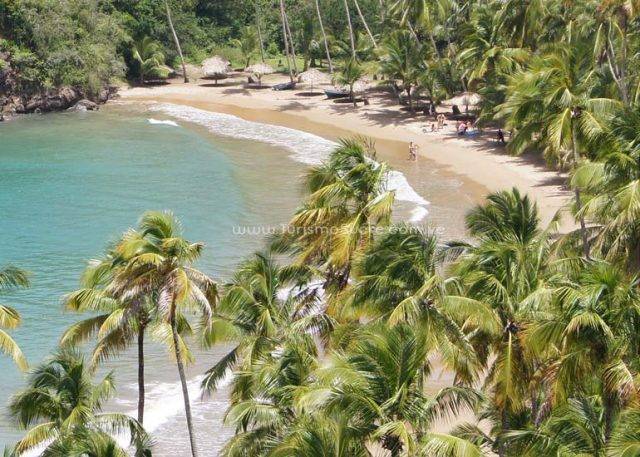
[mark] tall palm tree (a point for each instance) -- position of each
(364, 23)
(176, 41)
(62, 408)
(324, 36)
(403, 59)
(11, 278)
(285, 36)
(555, 104)
(159, 263)
(505, 269)
(352, 39)
(376, 384)
(119, 320)
(150, 59)
(347, 198)
(612, 188)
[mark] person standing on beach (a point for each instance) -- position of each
(413, 151)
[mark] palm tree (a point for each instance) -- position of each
(176, 41)
(506, 270)
(348, 198)
(403, 60)
(122, 319)
(159, 263)
(591, 336)
(247, 44)
(350, 26)
(150, 59)
(257, 304)
(62, 409)
(364, 23)
(11, 278)
(376, 385)
(612, 189)
(283, 20)
(349, 76)
(324, 36)
(555, 104)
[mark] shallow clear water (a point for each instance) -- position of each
(69, 183)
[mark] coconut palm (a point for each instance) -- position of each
(11, 278)
(351, 73)
(350, 28)
(376, 385)
(176, 40)
(119, 319)
(262, 299)
(247, 44)
(505, 269)
(612, 187)
(159, 263)
(61, 408)
(555, 104)
(324, 36)
(348, 198)
(592, 336)
(150, 60)
(398, 280)
(403, 59)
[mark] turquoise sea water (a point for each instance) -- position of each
(71, 182)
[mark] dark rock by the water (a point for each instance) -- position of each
(84, 105)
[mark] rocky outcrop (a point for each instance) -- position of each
(13, 102)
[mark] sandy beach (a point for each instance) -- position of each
(478, 161)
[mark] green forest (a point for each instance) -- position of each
(337, 325)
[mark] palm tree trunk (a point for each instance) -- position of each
(258, 16)
(583, 225)
(286, 39)
(351, 36)
(141, 388)
(366, 26)
(293, 49)
(324, 37)
(176, 41)
(185, 389)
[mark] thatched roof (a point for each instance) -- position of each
(215, 66)
(313, 76)
(463, 99)
(259, 69)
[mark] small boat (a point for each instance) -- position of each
(336, 93)
(285, 86)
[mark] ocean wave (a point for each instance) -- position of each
(165, 122)
(305, 147)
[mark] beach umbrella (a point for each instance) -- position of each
(465, 98)
(259, 70)
(215, 68)
(313, 77)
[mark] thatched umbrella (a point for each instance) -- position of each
(216, 68)
(313, 76)
(466, 98)
(259, 70)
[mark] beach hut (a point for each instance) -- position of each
(216, 68)
(465, 99)
(259, 70)
(313, 77)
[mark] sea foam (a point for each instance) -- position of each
(159, 122)
(305, 147)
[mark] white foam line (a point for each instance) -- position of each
(305, 147)
(158, 122)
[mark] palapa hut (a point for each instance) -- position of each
(313, 77)
(259, 70)
(216, 68)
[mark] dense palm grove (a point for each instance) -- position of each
(339, 324)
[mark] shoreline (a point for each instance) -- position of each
(477, 162)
